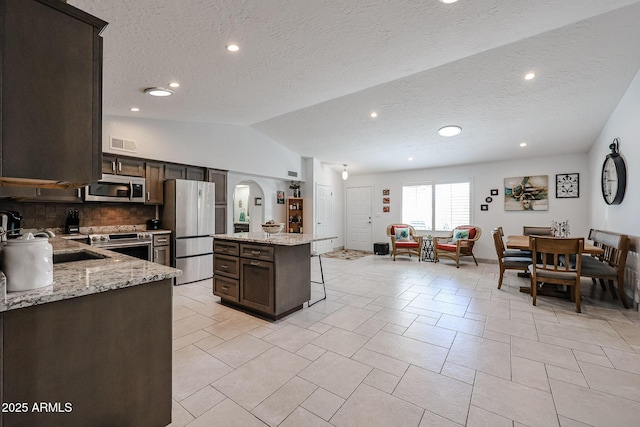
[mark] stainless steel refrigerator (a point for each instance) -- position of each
(189, 212)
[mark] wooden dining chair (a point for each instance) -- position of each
(512, 252)
(559, 261)
(528, 230)
(507, 262)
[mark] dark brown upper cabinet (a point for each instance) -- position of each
(123, 166)
(51, 89)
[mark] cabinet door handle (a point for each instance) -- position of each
(256, 252)
(113, 166)
(224, 267)
(161, 240)
(148, 196)
(224, 288)
(119, 166)
(155, 255)
(255, 262)
(78, 192)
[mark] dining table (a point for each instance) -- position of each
(523, 243)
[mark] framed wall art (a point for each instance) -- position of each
(484, 207)
(385, 192)
(568, 186)
(526, 193)
(280, 197)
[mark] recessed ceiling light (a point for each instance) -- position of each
(233, 47)
(134, 109)
(174, 84)
(530, 76)
(523, 144)
(158, 91)
(410, 158)
(451, 130)
(374, 115)
(448, 1)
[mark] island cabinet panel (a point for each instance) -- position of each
(272, 280)
(104, 359)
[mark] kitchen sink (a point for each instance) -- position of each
(76, 256)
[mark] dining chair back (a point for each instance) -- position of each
(528, 230)
(505, 261)
(558, 261)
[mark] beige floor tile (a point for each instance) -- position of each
(227, 413)
(545, 353)
(380, 361)
(475, 316)
(390, 302)
(568, 422)
(578, 319)
(395, 317)
(624, 360)
(193, 369)
(302, 417)
(521, 316)
(348, 318)
(593, 407)
(370, 327)
(459, 373)
(481, 354)
(311, 352)
(180, 312)
(438, 306)
(429, 419)
(202, 400)
(408, 350)
(478, 417)
(595, 359)
(427, 319)
(421, 312)
(514, 401)
(512, 327)
(461, 324)
(275, 408)
(261, 331)
(336, 373)
(191, 324)
(381, 380)
(239, 350)
(291, 337)
(430, 334)
(355, 300)
(232, 327)
(530, 373)
(566, 375)
(630, 332)
(394, 329)
(191, 338)
(490, 308)
(323, 403)
(577, 333)
(254, 381)
(209, 342)
(497, 336)
(453, 299)
(340, 341)
(612, 381)
(575, 345)
(320, 327)
(369, 407)
(180, 417)
(437, 393)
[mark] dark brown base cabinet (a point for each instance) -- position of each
(271, 280)
(96, 360)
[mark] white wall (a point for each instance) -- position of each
(236, 148)
(325, 174)
(484, 177)
(623, 124)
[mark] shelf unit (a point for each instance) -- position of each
(295, 208)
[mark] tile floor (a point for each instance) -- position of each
(408, 344)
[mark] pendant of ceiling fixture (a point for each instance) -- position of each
(345, 174)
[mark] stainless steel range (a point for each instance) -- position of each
(138, 244)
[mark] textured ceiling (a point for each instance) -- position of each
(310, 72)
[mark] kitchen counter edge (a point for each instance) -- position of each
(283, 239)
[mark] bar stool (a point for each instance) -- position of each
(316, 254)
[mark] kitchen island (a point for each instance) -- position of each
(266, 274)
(93, 348)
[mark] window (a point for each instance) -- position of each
(440, 207)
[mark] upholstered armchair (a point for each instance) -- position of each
(457, 244)
(404, 240)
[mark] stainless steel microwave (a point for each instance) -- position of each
(116, 188)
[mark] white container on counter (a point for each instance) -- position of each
(27, 262)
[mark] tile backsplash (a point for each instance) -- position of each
(54, 215)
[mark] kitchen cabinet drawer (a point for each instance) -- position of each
(226, 265)
(226, 288)
(261, 252)
(161, 239)
(226, 248)
(257, 285)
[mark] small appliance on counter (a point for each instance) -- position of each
(10, 224)
(153, 224)
(28, 263)
(73, 222)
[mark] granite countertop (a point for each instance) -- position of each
(74, 279)
(284, 239)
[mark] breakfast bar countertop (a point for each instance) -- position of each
(283, 239)
(79, 278)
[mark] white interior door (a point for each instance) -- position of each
(323, 217)
(359, 218)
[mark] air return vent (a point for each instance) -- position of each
(292, 174)
(122, 144)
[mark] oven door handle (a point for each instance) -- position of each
(120, 245)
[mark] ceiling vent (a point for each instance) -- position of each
(122, 144)
(292, 174)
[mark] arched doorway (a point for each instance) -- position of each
(248, 207)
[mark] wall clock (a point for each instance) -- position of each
(614, 176)
(568, 186)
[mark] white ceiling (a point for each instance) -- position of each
(310, 72)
